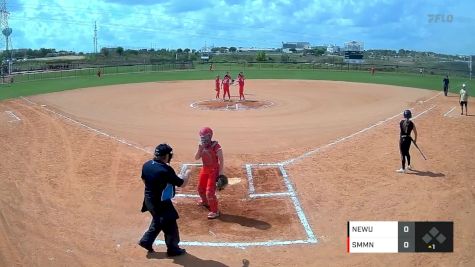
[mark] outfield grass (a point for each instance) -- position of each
(25, 88)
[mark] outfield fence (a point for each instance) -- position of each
(80, 70)
(93, 71)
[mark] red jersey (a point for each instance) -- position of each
(217, 83)
(241, 80)
(209, 155)
(226, 80)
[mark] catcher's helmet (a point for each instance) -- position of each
(206, 131)
(407, 114)
(163, 150)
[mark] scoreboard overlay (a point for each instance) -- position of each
(399, 236)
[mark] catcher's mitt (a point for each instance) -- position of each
(221, 182)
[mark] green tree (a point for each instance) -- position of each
(232, 49)
(105, 51)
(261, 56)
(179, 50)
(119, 50)
(284, 58)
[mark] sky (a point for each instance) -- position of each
(441, 26)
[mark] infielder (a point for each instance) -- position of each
(211, 154)
(240, 79)
(226, 82)
(406, 126)
(217, 86)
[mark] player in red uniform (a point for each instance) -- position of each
(211, 155)
(226, 81)
(218, 86)
(241, 86)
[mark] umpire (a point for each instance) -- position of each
(160, 180)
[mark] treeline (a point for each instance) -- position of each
(35, 53)
(406, 53)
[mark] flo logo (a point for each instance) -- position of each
(440, 18)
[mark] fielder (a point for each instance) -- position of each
(211, 154)
(463, 99)
(217, 86)
(446, 84)
(226, 82)
(406, 126)
(241, 86)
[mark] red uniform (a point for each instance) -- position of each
(208, 175)
(241, 87)
(226, 82)
(218, 87)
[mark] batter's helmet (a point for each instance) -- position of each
(162, 150)
(407, 114)
(206, 131)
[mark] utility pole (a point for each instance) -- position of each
(95, 37)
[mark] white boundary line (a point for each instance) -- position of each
(277, 194)
(12, 115)
(250, 179)
(298, 207)
(89, 127)
(438, 94)
(447, 113)
(240, 244)
(318, 149)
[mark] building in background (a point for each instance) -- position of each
(288, 47)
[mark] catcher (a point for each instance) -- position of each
(211, 174)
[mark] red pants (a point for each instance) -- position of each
(207, 187)
(226, 90)
(217, 93)
(241, 92)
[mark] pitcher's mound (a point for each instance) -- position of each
(231, 104)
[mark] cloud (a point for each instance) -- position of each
(391, 24)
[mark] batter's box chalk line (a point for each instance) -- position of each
(290, 193)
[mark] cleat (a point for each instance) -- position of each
(213, 215)
(401, 170)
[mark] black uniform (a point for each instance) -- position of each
(405, 139)
(160, 180)
(446, 85)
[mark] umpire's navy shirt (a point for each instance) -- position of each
(160, 180)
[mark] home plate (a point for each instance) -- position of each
(234, 180)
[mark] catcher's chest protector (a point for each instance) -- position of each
(209, 155)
